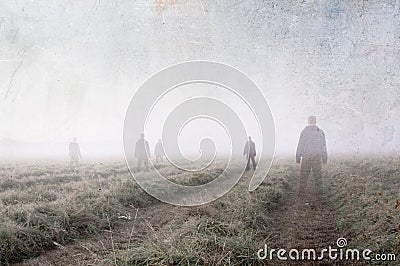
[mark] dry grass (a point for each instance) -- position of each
(225, 232)
(366, 197)
(47, 206)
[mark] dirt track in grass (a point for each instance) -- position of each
(99, 250)
(296, 224)
(301, 224)
(292, 223)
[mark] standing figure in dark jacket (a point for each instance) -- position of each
(142, 152)
(159, 151)
(250, 152)
(312, 152)
(74, 152)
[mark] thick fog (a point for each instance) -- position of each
(69, 69)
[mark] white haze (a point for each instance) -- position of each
(69, 68)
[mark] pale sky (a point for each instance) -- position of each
(70, 68)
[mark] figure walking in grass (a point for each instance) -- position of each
(142, 152)
(311, 152)
(250, 152)
(159, 151)
(74, 152)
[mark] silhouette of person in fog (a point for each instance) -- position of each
(74, 152)
(141, 152)
(159, 151)
(311, 150)
(250, 152)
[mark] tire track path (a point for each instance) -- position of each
(303, 223)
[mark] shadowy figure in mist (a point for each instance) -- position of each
(311, 150)
(159, 151)
(74, 153)
(250, 152)
(142, 152)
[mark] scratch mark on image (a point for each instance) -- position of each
(10, 84)
(15, 35)
(2, 19)
(202, 7)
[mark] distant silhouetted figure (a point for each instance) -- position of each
(74, 152)
(250, 152)
(159, 151)
(141, 152)
(311, 150)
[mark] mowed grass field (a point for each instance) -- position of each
(51, 214)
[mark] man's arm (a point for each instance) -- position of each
(136, 149)
(324, 151)
(300, 147)
(246, 148)
(147, 148)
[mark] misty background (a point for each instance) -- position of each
(69, 69)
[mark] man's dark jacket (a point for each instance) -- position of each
(250, 149)
(142, 149)
(312, 144)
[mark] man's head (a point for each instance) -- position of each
(159, 140)
(312, 120)
(142, 135)
(249, 137)
(74, 139)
